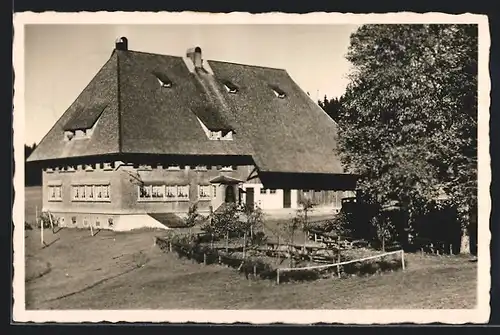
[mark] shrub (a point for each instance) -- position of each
(340, 225)
(305, 275)
(352, 268)
(45, 219)
(186, 246)
(27, 226)
(385, 265)
(193, 217)
(223, 223)
(259, 238)
(368, 268)
(139, 259)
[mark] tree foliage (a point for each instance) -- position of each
(32, 173)
(193, 217)
(408, 122)
(252, 219)
(332, 107)
(223, 222)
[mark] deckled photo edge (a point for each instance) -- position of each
(373, 316)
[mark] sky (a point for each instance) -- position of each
(60, 60)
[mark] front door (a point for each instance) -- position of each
(230, 196)
(287, 198)
(250, 202)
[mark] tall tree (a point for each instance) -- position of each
(32, 173)
(332, 107)
(409, 117)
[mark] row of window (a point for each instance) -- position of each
(165, 82)
(90, 192)
(86, 167)
(197, 167)
(97, 192)
(172, 192)
(101, 192)
(264, 191)
(109, 166)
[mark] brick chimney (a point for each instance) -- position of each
(121, 43)
(195, 55)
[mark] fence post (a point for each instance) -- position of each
(204, 258)
(41, 226)
(51, 222)
(403, 260)
(170, 246)
(255, 271)
(278, 276)
(338, 256)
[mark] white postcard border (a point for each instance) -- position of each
(478, 315)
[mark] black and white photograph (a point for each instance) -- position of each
(260, 168)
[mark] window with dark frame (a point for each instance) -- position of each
(204, 191)
(183, 192)
(163, 79)
(161, 192)
(230, 87)
(90, 192)
(278, 91)
(55, 192)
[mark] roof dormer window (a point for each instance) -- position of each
(164, 84)
(163, 80)
(68, 135)
(278, 91)
(84, 121)
(215, 135)
(221, 135)
(230, 87)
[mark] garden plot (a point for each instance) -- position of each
(283, 262)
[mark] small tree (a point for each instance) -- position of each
(223, 223)
(210, 228)
(384, 229)
(306, 206)
(340, 225)
(289, 229)
(48, 220)
(193, 217)
(254, 216)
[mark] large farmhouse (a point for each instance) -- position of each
(152, 134)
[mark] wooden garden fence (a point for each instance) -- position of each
(320, 267)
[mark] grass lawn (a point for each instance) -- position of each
(126, 271)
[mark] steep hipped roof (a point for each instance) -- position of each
(142, 103)
(289, 134)
(82, 112)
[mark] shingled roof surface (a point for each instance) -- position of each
(134, 113)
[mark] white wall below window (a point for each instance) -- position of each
(269, 200)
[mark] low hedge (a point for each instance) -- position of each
(356, 268)
(207, 255)
(187, 247)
